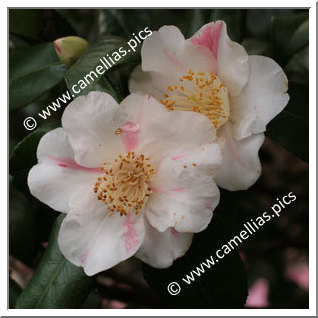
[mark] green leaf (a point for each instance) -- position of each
(297, 68)
(90, 59)
(84, 22)
(224, 285)
(120, 22)
(26, 22)
(197, 18)
(290, 33)
(177, 17)
(33, 71)
(235, 22)
(105, 85)
(14, 293)
(25, 60)
(255, 46)
(23, 155)
(291, 127)
(56, 282)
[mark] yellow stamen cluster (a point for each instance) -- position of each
(202, 93)
(124, 184)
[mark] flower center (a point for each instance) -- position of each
(202, 93)
(124, 185)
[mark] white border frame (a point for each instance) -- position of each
(312, 157)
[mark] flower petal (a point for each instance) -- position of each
(183, 196)
(164, 133)
(91, 238)
(91, 122)
(262, 99)
(148, 83)
(56, 177)
(241, 166)
(160, 249)
(168, 53)
(232, 59)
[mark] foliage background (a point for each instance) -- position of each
(275, 258)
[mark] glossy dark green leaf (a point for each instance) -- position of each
(25, 60)
(197, 18)
(14, 293)
(255, 46)
(297, 68)
(291, 127)
(90, 59)
(106, 86)
(27, 88)
(56, 282)
(124, 22)
(33, 71)
(224, 285)
(23, 155)
(290, 33)
(26, 22)
(84, 22)
(235, 22)
(176, 17)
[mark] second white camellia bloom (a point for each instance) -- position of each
(212, 75)
(134, 179)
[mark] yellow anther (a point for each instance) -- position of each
(200, 92)
(124, 185)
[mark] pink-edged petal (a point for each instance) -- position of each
(232, 59)
(160, 249)
(262, 99)
(168, 53)
(57, 176)
(90, 123)
(183, 197)
(162, 132)
(241, 166)
(209, 36)
(91, 238)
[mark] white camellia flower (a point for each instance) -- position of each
(212, 75)
(134, 179)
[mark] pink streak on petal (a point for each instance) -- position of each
(178, 157)
(166, 191)
(71, 164)
(173, 60)
(130, 234)
(130, 135)
(174, 232)
(258, 294)
(177, 190)
(209, 37)
(84, 257)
